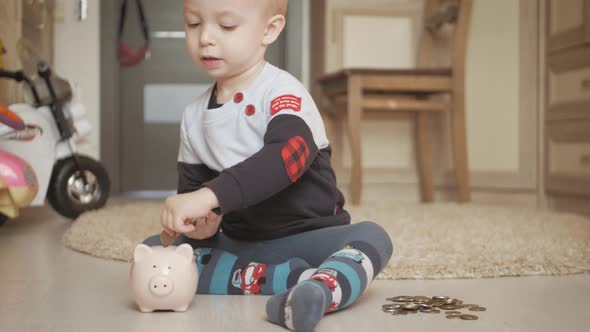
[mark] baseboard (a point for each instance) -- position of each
(575, 204)
(402, 185)
(494, 180)
(403, 192)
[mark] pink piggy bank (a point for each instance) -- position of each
(163, 278)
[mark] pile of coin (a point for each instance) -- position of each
(404, 305)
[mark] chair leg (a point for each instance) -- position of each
(335, 137)
(459, 137)
(424, 156)
(354, 112)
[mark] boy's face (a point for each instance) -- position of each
(225, 37)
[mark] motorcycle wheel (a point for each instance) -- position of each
(67, 193)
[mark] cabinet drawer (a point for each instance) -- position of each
(568, 157)
(568, 24)
(569, 131)
(568, 169)
(572, 159)
(571, 86)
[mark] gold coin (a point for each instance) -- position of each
(453, 316)
(453, 312)
(477, 308)
(410, 306)
(468, 317)
(450, 301)
(440, 297)
(391, 306)
(449, 307)
(421, 299)
(166, 239)
(403, 298)
(439, 302)
(430, 311)
(399, 312)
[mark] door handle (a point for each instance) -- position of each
(168, 34)
(82, 10)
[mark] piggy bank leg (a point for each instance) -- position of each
(181, 309)
(146, 310)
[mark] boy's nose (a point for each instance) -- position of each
(206, 37)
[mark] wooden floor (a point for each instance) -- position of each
(47, 287)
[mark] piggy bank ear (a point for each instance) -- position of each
(141, 251)
(185, 250)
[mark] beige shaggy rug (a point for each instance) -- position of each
(432, 241)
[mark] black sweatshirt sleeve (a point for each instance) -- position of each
(192, 176)
(288, 150)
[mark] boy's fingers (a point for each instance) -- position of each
(169, 231)
(188, 228)
(180, 226)
(163, 217)
(168, 220)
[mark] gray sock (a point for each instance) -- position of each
(301, 307)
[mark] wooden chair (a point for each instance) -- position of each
(351, 93)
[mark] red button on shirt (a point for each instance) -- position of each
(238, 97)
(250, 109)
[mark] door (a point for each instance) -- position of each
(29, 22)
(154, 94)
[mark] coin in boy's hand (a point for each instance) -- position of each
(166, 239)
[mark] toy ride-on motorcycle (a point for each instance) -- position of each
(43, 134)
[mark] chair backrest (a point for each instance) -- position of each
(444, 33)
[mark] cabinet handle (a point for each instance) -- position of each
(585, 160)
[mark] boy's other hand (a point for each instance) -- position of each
(181, 210)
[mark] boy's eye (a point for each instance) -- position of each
(193, 25)
(228, 27)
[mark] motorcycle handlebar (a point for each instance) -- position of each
(44, 70)
(20, 76)
(15, 75)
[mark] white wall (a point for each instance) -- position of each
(492, 99)
(77, 59)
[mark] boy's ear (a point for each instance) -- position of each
(274, 26)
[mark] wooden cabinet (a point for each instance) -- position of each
(567, 117)
(568, 162)
(31, 20)
(568, 24)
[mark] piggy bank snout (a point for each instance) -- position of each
(161, 285)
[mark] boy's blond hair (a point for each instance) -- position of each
(277, 7)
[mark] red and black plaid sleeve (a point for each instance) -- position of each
(288, 151)
(295, 154)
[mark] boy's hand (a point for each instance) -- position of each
(180, 210)
(205, 227)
